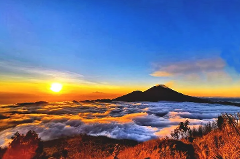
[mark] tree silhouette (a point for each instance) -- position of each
(220, 122)
(24, 146)
(181, 131)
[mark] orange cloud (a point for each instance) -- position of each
(161, 74)
(169, 84)
(124, 119)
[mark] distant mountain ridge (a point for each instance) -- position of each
(159, 93)
(162, 93)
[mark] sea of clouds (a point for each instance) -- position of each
(139, 121)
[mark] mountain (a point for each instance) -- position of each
(132, 97)
(159, 93)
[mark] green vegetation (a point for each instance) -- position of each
(217, 140)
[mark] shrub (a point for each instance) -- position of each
(182, 131)
(24, 146)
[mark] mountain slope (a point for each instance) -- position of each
(159, 93)
(132, 97)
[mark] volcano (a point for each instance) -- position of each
(159, 93)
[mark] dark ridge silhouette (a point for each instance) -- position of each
(159, 93)
(132, 97)
(76, 102)
(103, 100)
(3, 117)
(98, 100)
(227, 103)
(33, 103)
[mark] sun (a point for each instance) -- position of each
(56, 87)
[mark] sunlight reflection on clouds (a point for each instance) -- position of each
(122, 120)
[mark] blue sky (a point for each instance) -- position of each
(122, 42)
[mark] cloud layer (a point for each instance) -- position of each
(137, 121)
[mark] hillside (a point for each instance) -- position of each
(159, 93)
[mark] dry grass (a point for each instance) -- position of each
(220, 143)
(157, 149)
(86, 147)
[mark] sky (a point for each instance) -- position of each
(103, 49)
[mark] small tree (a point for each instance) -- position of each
(220, 122)
(182, 131)
(175, 134)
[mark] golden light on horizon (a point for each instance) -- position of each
(56, 87)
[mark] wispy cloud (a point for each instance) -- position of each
(220, 75)
(21, 71)
(190, 67)
(204, 70)
(161, 74)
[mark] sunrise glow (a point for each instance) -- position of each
(119, 79)
(56, 87)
